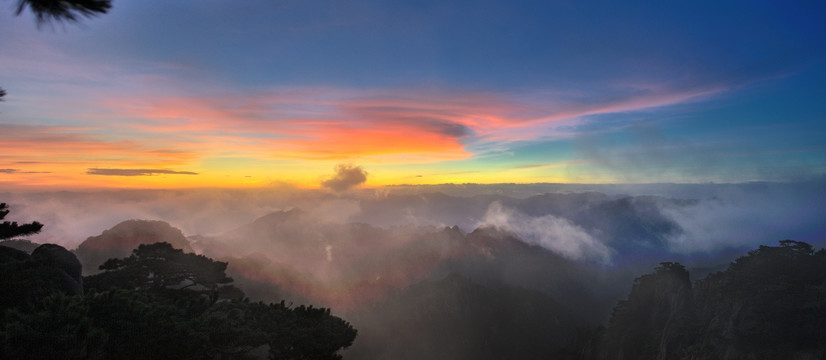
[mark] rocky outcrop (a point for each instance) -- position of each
(770, 304)
(119, 241)
(49, 270)
(654, 322)
(56, 256)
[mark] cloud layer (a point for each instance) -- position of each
(553, 233)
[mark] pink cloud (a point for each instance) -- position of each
(129, 114)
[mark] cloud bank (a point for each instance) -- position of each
(579, 221)
(553, 233)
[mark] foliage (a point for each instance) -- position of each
(63, 10)
(57, 328)
(653, 321)
(10, 230)
(24, 282)
(162, 303)
(305, 332)
(769, 304)
(158, 267)
(50, 269)
(46, 11)
(145, 325)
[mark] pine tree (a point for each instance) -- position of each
(10, 230)
(63, 10)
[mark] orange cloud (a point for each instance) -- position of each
(60, 155)
(289, 125)
(159, 131)
(336, 124)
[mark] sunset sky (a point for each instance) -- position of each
(209, 93)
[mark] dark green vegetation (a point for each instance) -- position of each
(770, 304)
(157, 303)
(63, 10)
(10, 230)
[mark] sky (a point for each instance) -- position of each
(338, 94)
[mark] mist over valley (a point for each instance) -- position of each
(455, 271)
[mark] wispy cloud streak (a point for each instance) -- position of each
(137, 172)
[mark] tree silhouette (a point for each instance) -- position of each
(63, 10)
(163, 303)
(159, 267)
(46, 11)
(60, 321)
(10, 230)
(151, 305)
(769, 304)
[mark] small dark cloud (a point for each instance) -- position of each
(28, 162)
(17, 171)
(136, 172)
(347, 176)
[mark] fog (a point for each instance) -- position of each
(577, 221)
(428, 258)
(556, 234)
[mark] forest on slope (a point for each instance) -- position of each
(769, 304)
(157, 303)
(440, 294)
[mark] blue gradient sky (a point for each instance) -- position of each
(253, 93)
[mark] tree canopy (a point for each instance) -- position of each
(158, 267)
(10, 230)
(48, 11)
(769, 304)
(63, 10)
(162, 303)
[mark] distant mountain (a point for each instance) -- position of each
(456, 318)
(119, 241)
(494, 256)
(636, 227)
(347, 266)
(20, 244)
(444, 293)
(770, 304)
(441, 293)
(339, 265)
